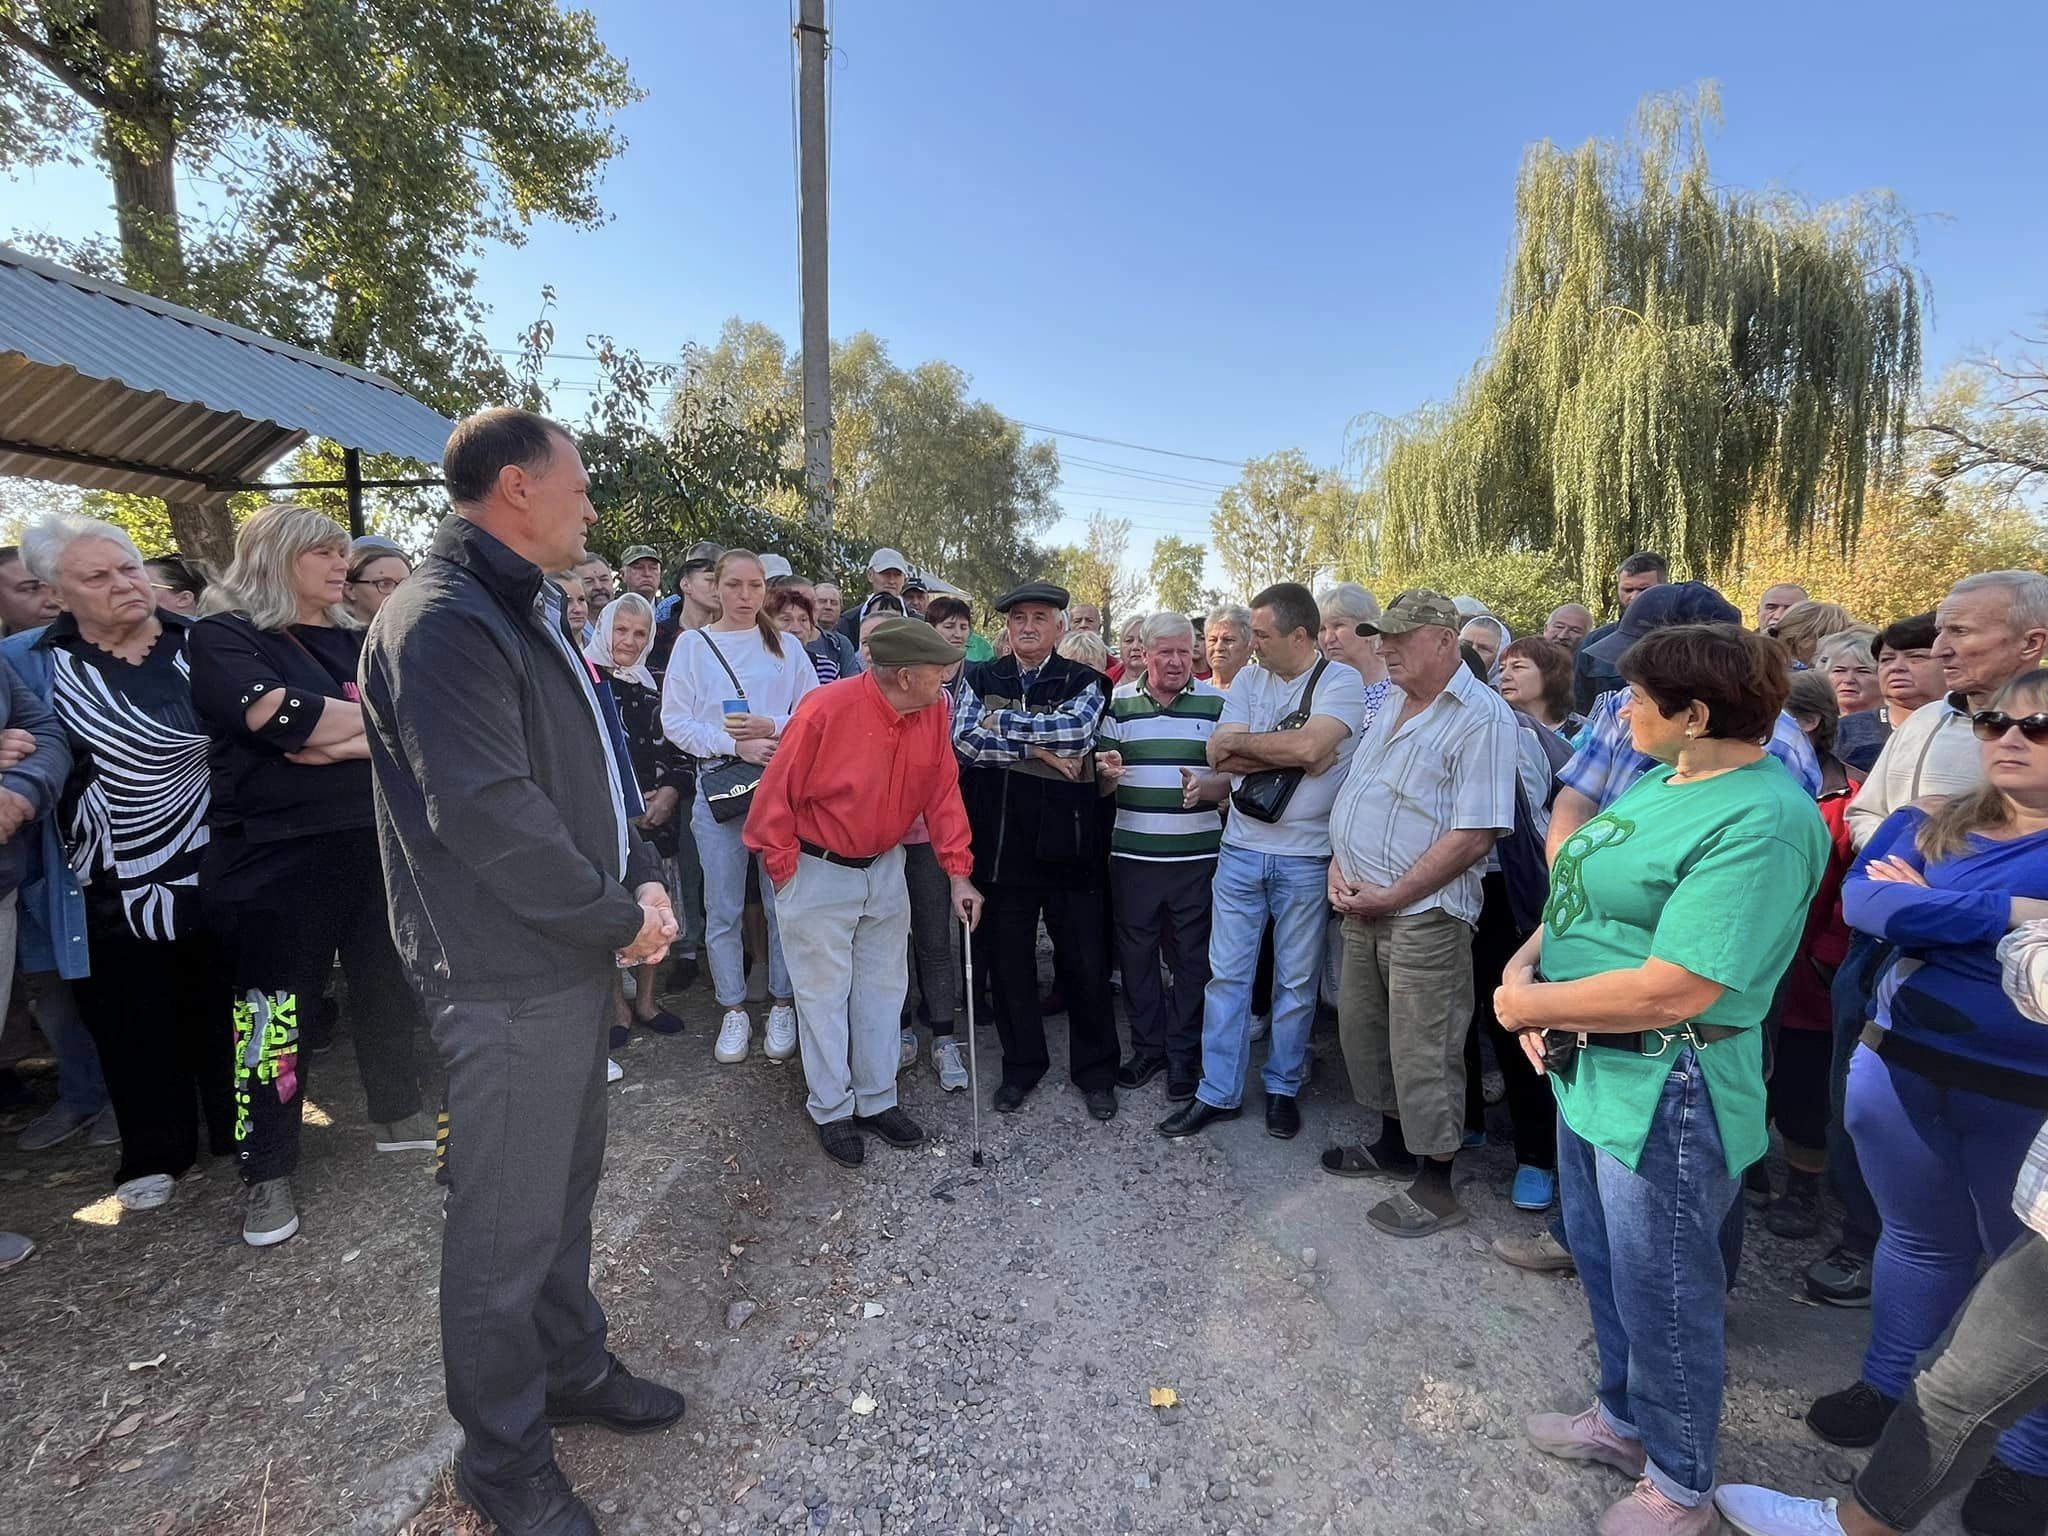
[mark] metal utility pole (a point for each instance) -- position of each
(816, 339)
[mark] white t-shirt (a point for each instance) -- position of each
(694, 691)
(1259, 701)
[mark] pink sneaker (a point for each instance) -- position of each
(1584, 1437)
(1646, 1512)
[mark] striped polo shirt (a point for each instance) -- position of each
(1156, 744)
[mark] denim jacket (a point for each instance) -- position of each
(51, 934)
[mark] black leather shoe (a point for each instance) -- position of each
(1101, 1102)
(842, 1143)
(1191, 1118)
(1180, 1090)
(1853, 1417)
(1140, 1070)
(540, 1505)
(622, 1403)
(893, 1126)
(1283, 1116)
(1009, 1098)
(2006, 1502)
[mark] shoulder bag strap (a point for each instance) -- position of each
(737, 686)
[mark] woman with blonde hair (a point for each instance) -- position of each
(1805, 624)
(292, 873)
(728, 693)
(1086, 647)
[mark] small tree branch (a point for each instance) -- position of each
(55, 63)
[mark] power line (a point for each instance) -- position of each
(1113, 442)
(1125, 471)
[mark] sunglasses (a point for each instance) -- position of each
(1992, 724)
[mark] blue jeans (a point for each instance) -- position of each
(1941, 1163)
(1250, 888)
(1648, 1246)
(80, 1088)
(1851, 998)
(724, 861)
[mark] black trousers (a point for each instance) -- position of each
(1162, 909)
(523, 1147)
(281, 911)
(1073, 917)
(1530, 1106)
(157, 1012)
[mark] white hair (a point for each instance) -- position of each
(1861, 642)
(1236, 615)
(1157, 626)
(44, 541)
(2026, 591)
(1348, 600)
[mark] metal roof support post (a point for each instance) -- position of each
(352, 479)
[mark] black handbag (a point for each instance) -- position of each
(1264, 795)
(729, 782)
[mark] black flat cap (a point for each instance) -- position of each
(1035, 592)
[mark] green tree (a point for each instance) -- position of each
(1282, 521)
(1673, 357)
(1988, 422)
(356, 155)
(1094, 571)
(1177, 566)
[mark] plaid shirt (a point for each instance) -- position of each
(2023, 959)
(984, 735)
(1607, 763)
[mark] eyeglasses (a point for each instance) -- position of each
(385, 585)
(1992, 724)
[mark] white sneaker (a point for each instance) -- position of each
(907, 1056)
(1262, 1026)
(147, 1192)
(946, 1059)
(781, 1043)
(612, 1070)
(735, 1034)
(1758, 1511)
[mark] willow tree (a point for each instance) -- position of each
(1672, 357)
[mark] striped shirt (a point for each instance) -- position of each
(1157, 742)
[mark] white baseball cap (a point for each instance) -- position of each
(773, 566)
(888, 560)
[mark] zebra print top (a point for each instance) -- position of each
(139, 818)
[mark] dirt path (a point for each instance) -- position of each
(916, 1347)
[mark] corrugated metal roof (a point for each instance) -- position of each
(171, 400)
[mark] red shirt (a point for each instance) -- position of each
(851, 775)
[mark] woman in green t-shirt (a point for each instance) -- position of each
(1672, 915)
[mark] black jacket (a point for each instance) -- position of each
(1032, 826)
(498, 829)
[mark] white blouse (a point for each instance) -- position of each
(694, 692)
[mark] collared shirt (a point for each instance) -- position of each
(2023, 961)
(550, 611)
(985, 735)
(1450, 768)
(1933, 753)
(1607, 762)
(852, 775)
(1157, 741)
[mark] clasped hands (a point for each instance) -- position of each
(657, 926)
(1360, 898)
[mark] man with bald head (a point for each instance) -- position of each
(1772, 606)
(1567, 625)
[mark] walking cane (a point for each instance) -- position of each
(973, 1069)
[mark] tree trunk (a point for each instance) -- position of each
(203, 528)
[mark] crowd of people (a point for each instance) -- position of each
(1658, 886)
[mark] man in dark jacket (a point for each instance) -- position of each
(1025, 732)
(517, 885)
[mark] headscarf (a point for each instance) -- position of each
(598, 648)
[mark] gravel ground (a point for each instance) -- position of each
(918, 1346)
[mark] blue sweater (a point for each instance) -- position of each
(1944, 991)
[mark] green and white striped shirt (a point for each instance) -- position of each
(1156, 744)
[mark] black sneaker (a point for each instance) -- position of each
(1796, 1213)
(1101, 1102)
(622, 1403)
(1140, 1070)
(893, 1126)
(1009, 1099)
(540, 1505)
(682, 972)
(1853, 1417)
(2006, 1502)
(1842, 1279)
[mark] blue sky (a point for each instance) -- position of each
(1224, 228)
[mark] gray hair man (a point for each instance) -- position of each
(1162, 853)
(1568, 624)
(1227, 642)
(1431, 789)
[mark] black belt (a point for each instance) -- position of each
(836, 858)
(1558, 1043)
(2005, 1084)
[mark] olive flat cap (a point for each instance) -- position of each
(895, 642)
(1035, 592)
(1412, 610)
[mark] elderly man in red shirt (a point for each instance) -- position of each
(860, 760)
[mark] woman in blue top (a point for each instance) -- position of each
(1950, 1084)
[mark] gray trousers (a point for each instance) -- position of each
(839, 924)
(523, 1146)
(931, 935)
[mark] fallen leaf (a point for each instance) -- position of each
(744, 1489)
(1164, 1397)
(872, 1309)
(835, 1216)
(149, 1365)
(864, 1405)
(130, 1465)
(298, 1396)
(352, 1255)
(734, 1249)
(126, 1427)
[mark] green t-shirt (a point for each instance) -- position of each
(1714, 876)
(979, 647)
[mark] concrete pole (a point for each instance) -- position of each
(816, 339)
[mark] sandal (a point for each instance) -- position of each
(1402, 1215)
(1357, 1162)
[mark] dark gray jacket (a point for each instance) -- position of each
(38, 778)
(497, 826)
